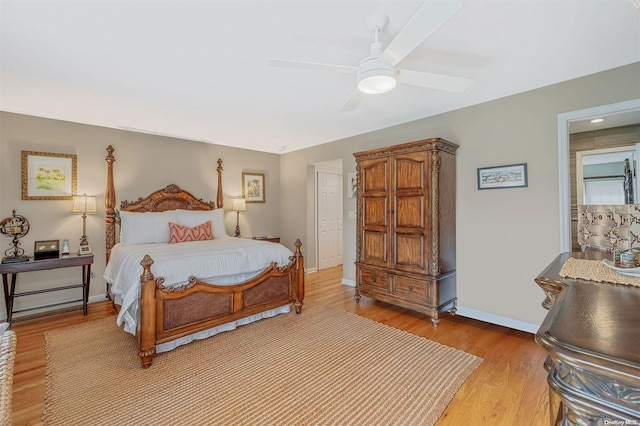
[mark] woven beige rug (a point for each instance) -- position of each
(323, 367)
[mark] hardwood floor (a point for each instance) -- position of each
(509, 388)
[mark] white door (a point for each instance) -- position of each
(329, 220)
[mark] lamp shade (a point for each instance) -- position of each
(84, 204)
(239, 205)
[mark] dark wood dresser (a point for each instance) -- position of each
(592, 335)
(406, 226)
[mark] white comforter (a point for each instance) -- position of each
(226, 260)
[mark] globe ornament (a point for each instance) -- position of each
(14, 227)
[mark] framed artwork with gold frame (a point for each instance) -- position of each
(48, 176)
(253, 187)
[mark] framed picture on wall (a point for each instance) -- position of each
(513, 175)
(253, 187)
(48, 176)
(352, 189)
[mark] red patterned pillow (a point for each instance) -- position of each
(182, 234)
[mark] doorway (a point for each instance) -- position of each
(329, 221)
(564, 178)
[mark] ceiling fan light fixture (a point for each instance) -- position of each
(375, 76)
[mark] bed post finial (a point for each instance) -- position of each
(146, 263)
(147, 309)
(299, 277)
(110, 203)
(219, 200)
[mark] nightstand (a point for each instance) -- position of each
(270, 239)
(12, 269)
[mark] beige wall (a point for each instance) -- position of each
(144, 163)
(505, 237)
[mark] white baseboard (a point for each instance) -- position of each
(481, 316)
(497, 320)
(350, 283)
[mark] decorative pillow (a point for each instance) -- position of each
(145, 228)
(182, 234)
(192, 218)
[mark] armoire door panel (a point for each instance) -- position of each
(374, 248)
(374, 211)
(409, 252)
(374, 176)
(409, 212)
(410, 172)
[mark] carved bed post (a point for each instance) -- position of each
(147, 326)
(219, 197)
(299, 277)
(110, 203)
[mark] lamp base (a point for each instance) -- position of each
(238, 224)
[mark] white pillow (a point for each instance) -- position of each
(193, 218)
(145, 228)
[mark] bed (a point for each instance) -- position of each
(202, 282)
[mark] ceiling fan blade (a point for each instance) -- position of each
(353, 101)
(285, 63)
(429, 17)
(434, 81)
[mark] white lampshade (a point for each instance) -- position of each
(375, 76)
(239, 205)
(84, 204)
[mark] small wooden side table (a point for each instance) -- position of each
(67, 261)
(270, 239)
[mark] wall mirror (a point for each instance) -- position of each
(607, 176)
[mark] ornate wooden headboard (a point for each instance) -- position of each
(169, 198)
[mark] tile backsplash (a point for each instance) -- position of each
(608, 228)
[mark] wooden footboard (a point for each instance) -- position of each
(168, 313)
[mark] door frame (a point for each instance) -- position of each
(564, 180)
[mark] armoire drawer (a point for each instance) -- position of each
(414, 288)
(374, 278)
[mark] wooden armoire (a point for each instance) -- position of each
(406, 226)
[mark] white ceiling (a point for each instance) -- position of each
(199, 69)
(614, 120)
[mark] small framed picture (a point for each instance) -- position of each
(352, 188)
(84, 250)
(498, 177)
(253, 187)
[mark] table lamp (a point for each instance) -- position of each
(86, 205)
(239, 205)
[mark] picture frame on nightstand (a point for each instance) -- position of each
(84, 250)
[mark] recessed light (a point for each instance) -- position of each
(596, 120)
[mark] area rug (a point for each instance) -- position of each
(322, 367)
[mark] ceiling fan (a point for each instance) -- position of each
(377, 73)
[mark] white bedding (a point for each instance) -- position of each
(225, 260)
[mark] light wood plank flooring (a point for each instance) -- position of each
(509, 388)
